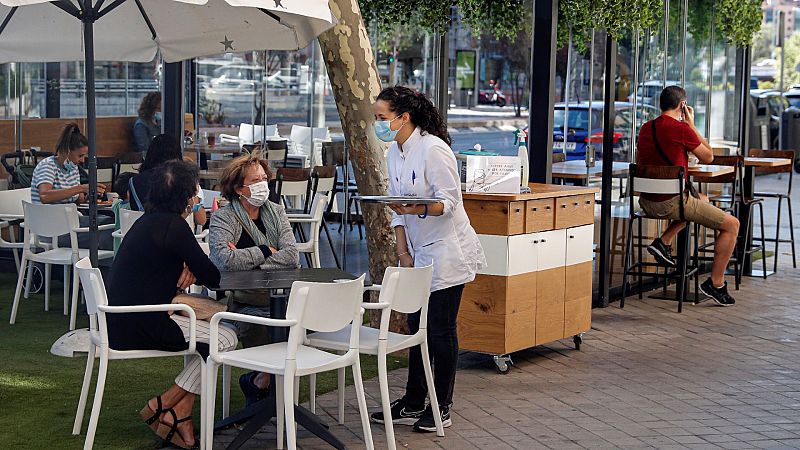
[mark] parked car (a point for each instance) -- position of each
(766, 107)
(793, 96)
(578, 134)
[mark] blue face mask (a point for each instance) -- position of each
(157, 117)
(383, 130)
(70, 166)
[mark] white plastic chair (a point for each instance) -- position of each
(97, 307)
(126, 219)
(308, 141)
(50, 222)
(248, 134)
(10, 210)
(314, 218)
(405, 290)
(312, 306)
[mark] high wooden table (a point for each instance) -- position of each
(748, 189)
(577, 170)
(537, 285)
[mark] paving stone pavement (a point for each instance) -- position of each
(646, 377)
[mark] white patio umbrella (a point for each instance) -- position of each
(136, 30)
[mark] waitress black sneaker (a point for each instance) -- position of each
(719, 295)
(426, 424)
(661, 252)
(402, 414)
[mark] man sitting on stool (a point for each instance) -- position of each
(667, 141)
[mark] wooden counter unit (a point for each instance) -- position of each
(537, 285)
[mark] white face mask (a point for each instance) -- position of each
(259, 193)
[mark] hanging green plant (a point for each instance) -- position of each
(699, 19)
(617, 17)
(738, 21)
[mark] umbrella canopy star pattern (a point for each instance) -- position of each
(138, 30)
(227, 44)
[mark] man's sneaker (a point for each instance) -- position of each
(661, 252)
(719, 295)
(402, 414)
(426, 424)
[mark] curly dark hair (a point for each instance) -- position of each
(423, 114)
(163, 148)
(174, 184)
(150, 103)
(70, 139)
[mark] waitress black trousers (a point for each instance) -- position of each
(442, 345)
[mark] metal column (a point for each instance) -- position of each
(604, 257)
(542, 79)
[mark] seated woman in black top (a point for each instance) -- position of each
(159, 256)
(163, 148)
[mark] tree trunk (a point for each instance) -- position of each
(356, 84)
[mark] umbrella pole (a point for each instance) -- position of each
(91, 125)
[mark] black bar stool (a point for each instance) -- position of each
(667, 180)
(780, 196)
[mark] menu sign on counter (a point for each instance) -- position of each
(492, 174)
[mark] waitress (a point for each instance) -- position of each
(421, 164)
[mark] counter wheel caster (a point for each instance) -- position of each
(503, 363)
(577, 340)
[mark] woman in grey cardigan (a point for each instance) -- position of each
(249, 233)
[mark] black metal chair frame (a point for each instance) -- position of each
(780, 196)
(735, 201)
(639, 269)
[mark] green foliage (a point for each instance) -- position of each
(617, 17)
(500, 18)
(738, 21)
(792, 54)
(700, 18)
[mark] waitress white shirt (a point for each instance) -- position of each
(426, 167)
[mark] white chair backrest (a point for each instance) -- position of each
(11, 201)
(325, 184)
(301, 139)
(209, 196)
(250, 134)
(272, 131)
(294, 188)
(50, 220)
(105, 175)
(407, 289)
(93, 286)
(657, 186)
(318, 205)
(126, 219)
(276, 155)
(325, 306)
(320, 133)
(129, 168)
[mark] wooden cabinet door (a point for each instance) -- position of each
(551, 249)
(580, 244)
(550, 286)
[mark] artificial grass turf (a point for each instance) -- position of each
(39, 391)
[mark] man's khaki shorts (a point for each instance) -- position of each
(694, 210)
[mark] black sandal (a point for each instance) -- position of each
(170, 432)
(149, 416)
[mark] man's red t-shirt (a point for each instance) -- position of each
(677, 140)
